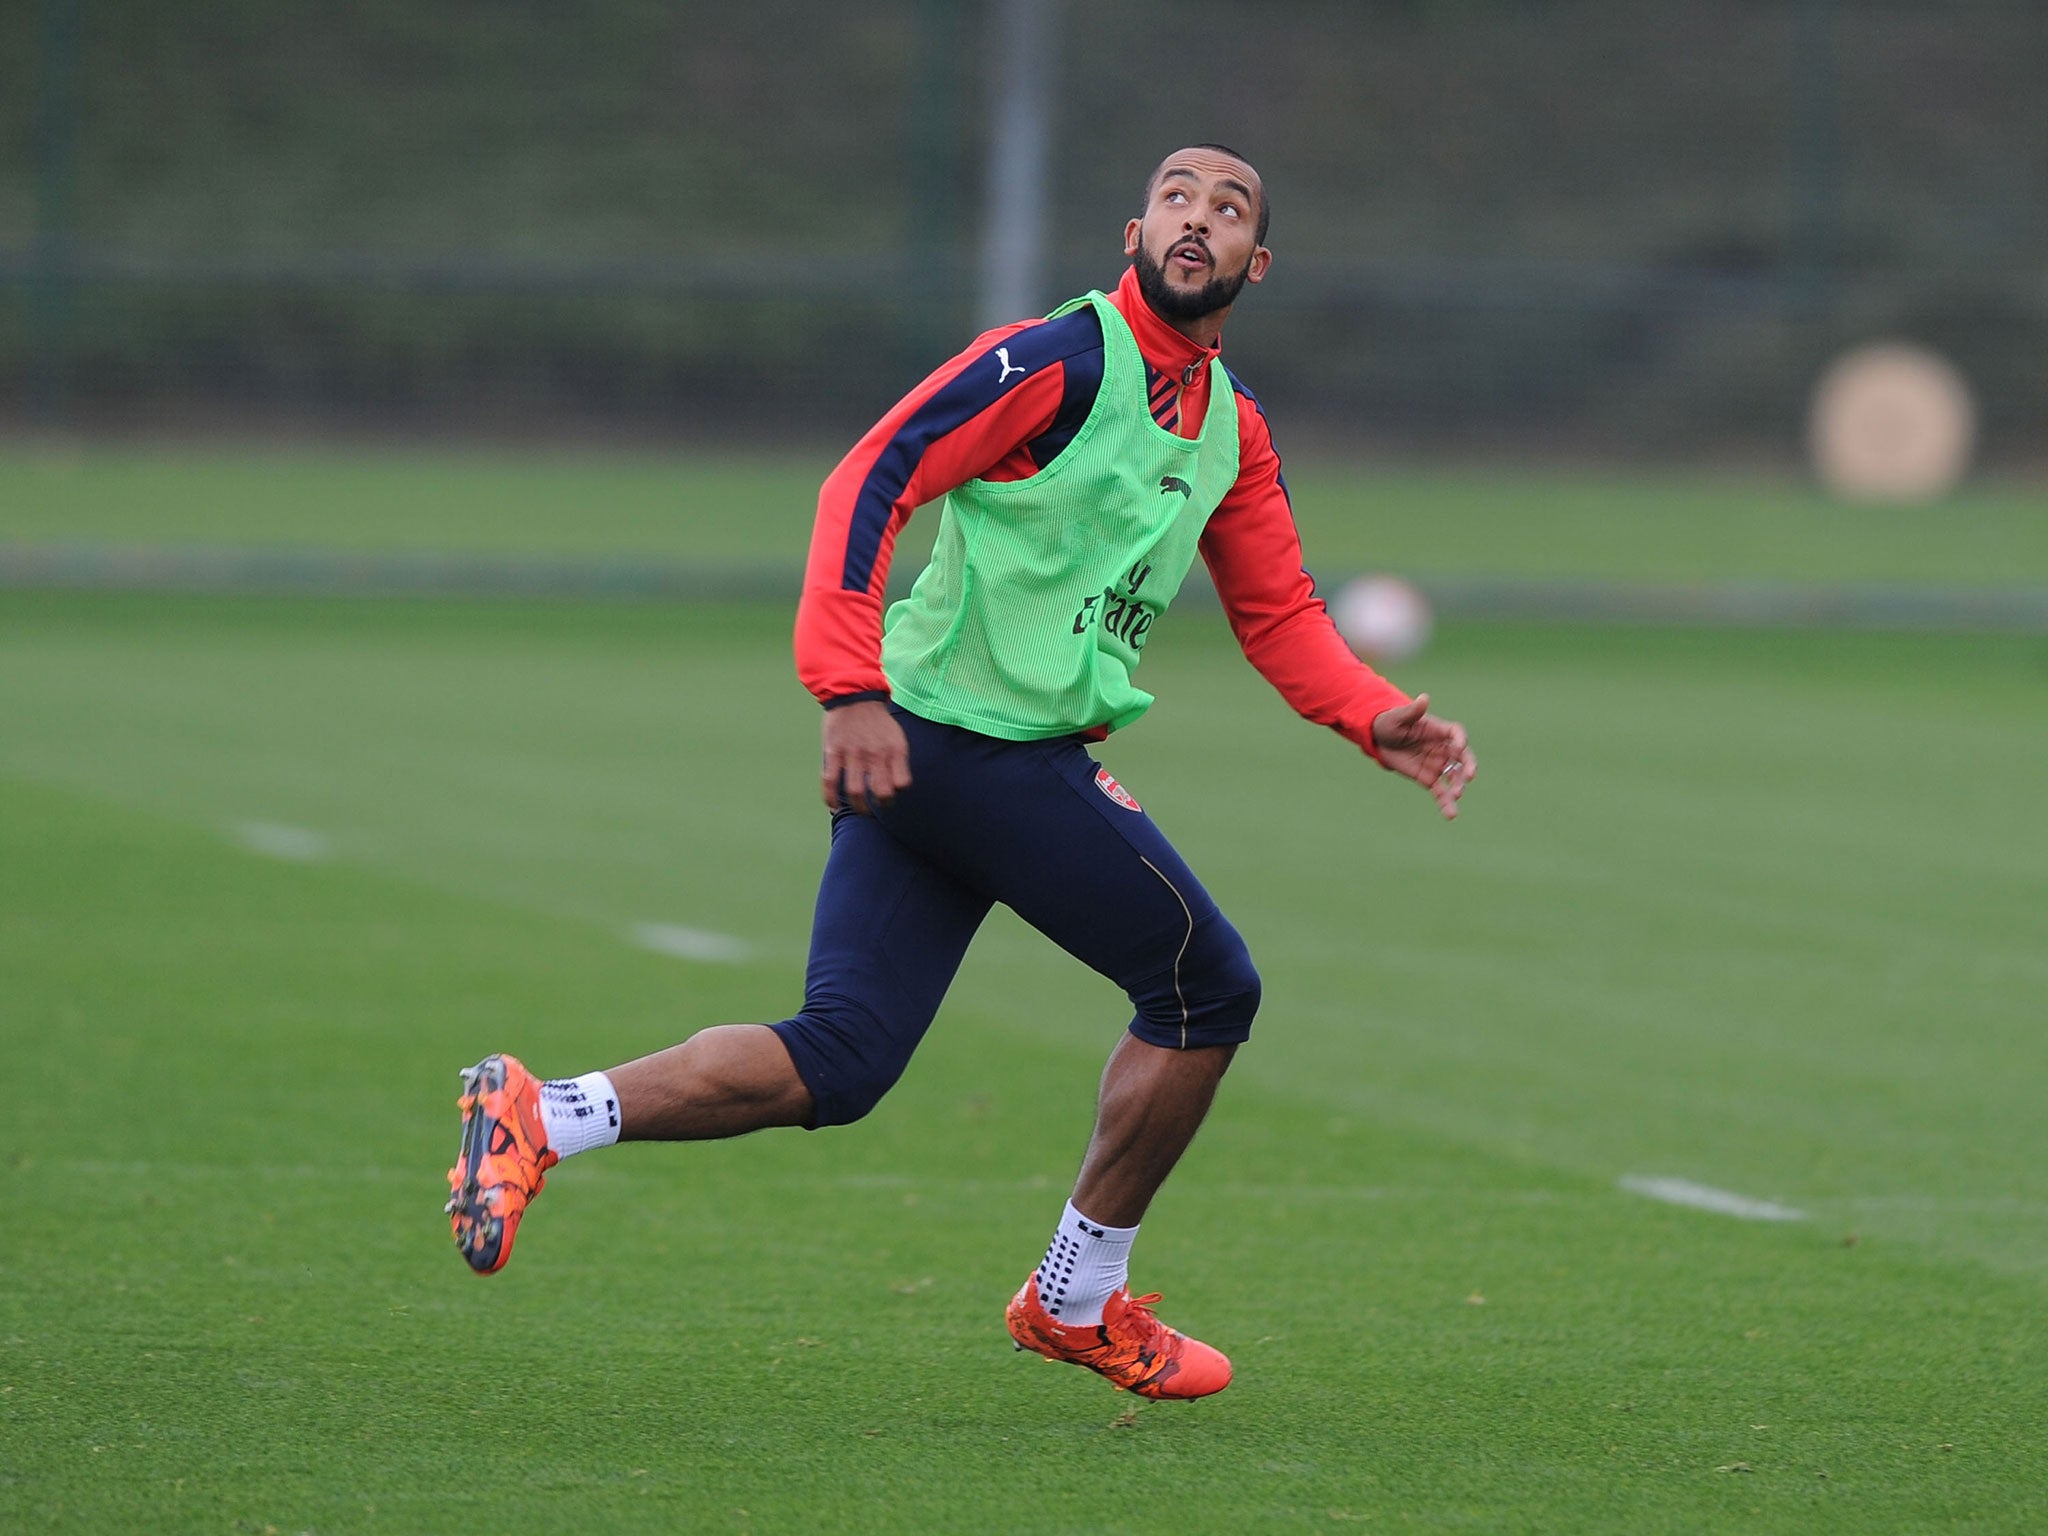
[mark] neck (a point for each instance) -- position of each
(1203, 330)
(1172, 346)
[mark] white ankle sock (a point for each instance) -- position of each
(579, 1113)
(1083, 1267)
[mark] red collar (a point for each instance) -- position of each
(1161, 345)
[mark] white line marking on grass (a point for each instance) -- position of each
(1705, 1197)
(276, 841)
(690, 943)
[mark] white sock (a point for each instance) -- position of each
(579, 1113)
(1083, 1267)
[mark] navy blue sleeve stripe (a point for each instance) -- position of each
(1280, 475)
(966, 395)
(1083, 384)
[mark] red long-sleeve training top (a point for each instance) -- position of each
(958, 426)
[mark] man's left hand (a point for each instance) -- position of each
(1428, 749)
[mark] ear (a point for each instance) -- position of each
(1131, 237)
(1255, 269)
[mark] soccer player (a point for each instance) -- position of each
(1084, 459)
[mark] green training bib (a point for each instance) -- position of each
(1042, 593)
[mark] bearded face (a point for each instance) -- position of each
(1172, 303)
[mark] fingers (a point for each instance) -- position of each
(846, 788)
(885, 774)
(1445, 790)
(1448, 766)
(866, 761)
(862, 779)
(1454, 743)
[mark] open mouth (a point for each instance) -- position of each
(1191, 255)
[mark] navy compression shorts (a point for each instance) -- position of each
(1039, 827)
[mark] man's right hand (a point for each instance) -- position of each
(867, 757)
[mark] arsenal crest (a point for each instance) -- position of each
(1116, 791)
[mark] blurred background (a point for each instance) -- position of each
(1571, 229)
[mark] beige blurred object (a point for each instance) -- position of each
(1892, 422)
(1383, 617)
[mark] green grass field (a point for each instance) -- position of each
(1759, 911)
(753, 509)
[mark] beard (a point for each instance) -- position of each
(1177, 304)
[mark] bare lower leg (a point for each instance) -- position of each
(724, 1081)
(1151, 1104)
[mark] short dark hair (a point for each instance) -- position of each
(1265, 204)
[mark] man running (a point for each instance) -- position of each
(1084, 460)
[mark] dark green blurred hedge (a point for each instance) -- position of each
(1601, 225)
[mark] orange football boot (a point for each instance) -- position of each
(1131, 1347)
(504, 1154)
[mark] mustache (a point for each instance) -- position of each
(1218, 291)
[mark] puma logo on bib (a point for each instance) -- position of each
(1116, 791)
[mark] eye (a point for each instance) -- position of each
(1230, 208)
(1175, 195)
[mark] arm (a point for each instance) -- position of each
(1254, 557)
(999, 410)
(1253, 552)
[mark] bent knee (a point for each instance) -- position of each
(1218, 976)
(846, 1056)
(1209, 997)
(1235, 987)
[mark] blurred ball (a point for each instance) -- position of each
(1383, 617)
(1891, 422)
